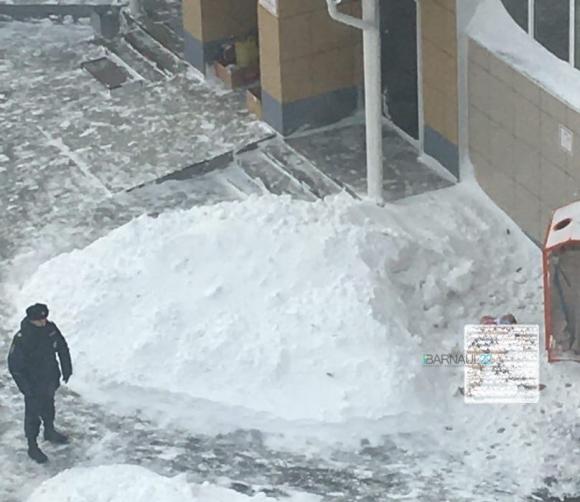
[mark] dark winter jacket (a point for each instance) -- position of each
(32, 358)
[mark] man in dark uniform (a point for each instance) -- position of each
(33, 365)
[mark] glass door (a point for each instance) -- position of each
(399, 64)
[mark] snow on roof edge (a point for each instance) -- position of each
(494, 28)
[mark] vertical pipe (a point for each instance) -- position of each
(373, 101)
(465, 11)
(420, 114)
(572, 33)
(531, 17)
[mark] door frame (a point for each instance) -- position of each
(418, 143)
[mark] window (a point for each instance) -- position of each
(518, 9)
(551, 26)
(552, 23)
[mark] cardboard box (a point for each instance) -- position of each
(254, 101)
(235, 77)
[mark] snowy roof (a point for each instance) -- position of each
(565, 226)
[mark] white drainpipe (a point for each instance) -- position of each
(370, 24)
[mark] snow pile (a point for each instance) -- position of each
(130, 482)
(63, 2)
(494, 28)
(123, 482)
(300, 310)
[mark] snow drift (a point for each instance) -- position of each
(300, 310)
(123, 482)
(319, 311)
(130, 482)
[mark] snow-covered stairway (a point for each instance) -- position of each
(268, 165)
(131, 57)
(301, 168)
(281, 170)
(268, 175)
(159, 25)
(152, 49)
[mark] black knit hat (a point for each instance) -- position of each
(37, 312)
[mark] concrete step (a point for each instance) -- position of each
(242, 183)
(168, 12)
(217, 163)
(165, 61)
(268, 174)
(268, 165)
(300, 168)
(134, 59)
(162, 31)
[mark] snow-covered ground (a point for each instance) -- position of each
(308, 321)
(63, 2)
(267, 305)
(301, 311)
(51, 106)
(130, 482)
(65, 143)
(260, 344)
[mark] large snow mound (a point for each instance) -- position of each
(123, 482)
(300, 310)
(136, 484)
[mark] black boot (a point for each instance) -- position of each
(52, 435)
(35, 453)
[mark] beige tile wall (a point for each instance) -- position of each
(439, 49)
(191, 10)
(228, 18)
(304, 53)
(270, 65)
(514, 142)
(209, 20)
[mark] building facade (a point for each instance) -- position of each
(471, 107)
(523, 121)
(311, 66)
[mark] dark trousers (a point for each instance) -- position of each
(37, 408)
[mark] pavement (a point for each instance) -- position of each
(339, 151)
